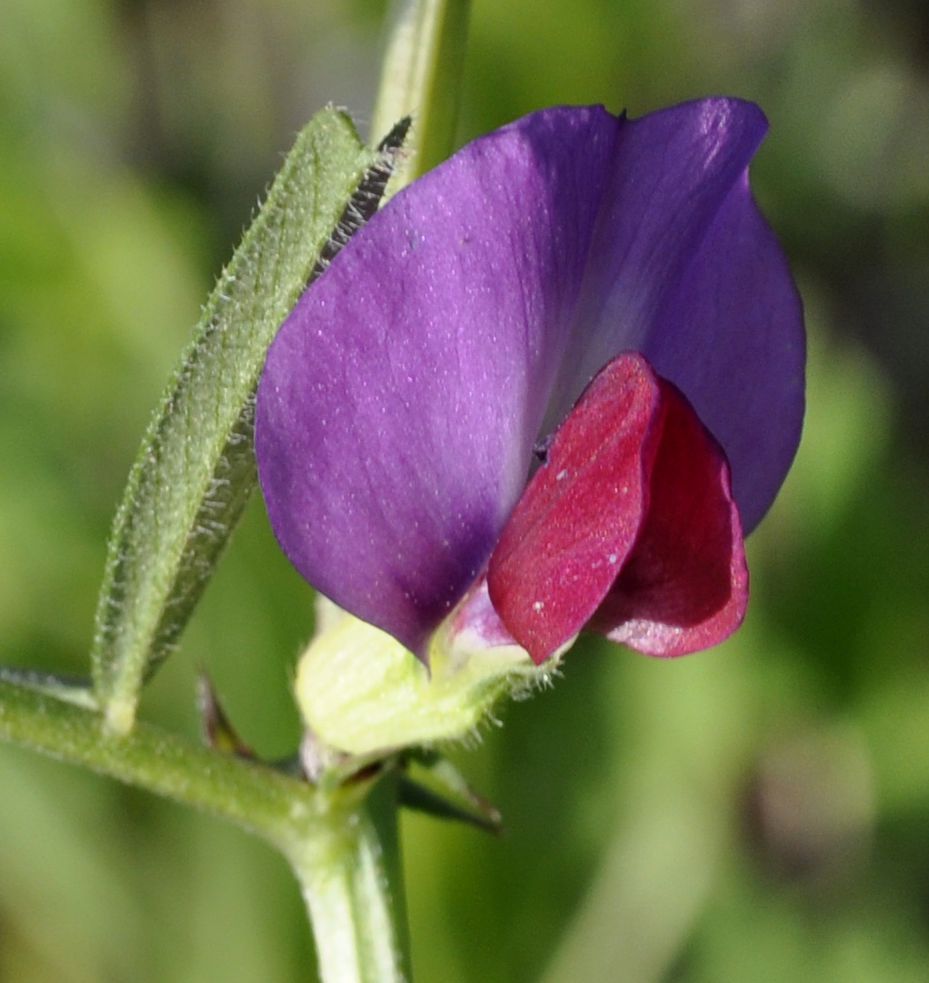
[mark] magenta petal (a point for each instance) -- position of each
(684, 586)
(576, 524)
(401, 399)
(629, 528)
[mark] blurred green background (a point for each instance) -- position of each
(758, 813)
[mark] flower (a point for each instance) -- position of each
(599, 290)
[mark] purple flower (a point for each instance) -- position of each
(403, 398)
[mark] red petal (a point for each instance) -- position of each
(685, 585)
(629, 526)
(578, 519)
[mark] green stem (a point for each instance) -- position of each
(421, 77)
(342, 844)
(352, 887)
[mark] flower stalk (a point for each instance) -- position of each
(349, 876)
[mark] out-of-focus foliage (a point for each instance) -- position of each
(758, 813)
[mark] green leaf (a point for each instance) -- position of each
(195, 468)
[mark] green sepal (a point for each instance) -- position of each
(361, 693)
(434, 786)
(195, 469)
(216, 728)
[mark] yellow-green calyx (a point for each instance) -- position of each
(360, 691)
